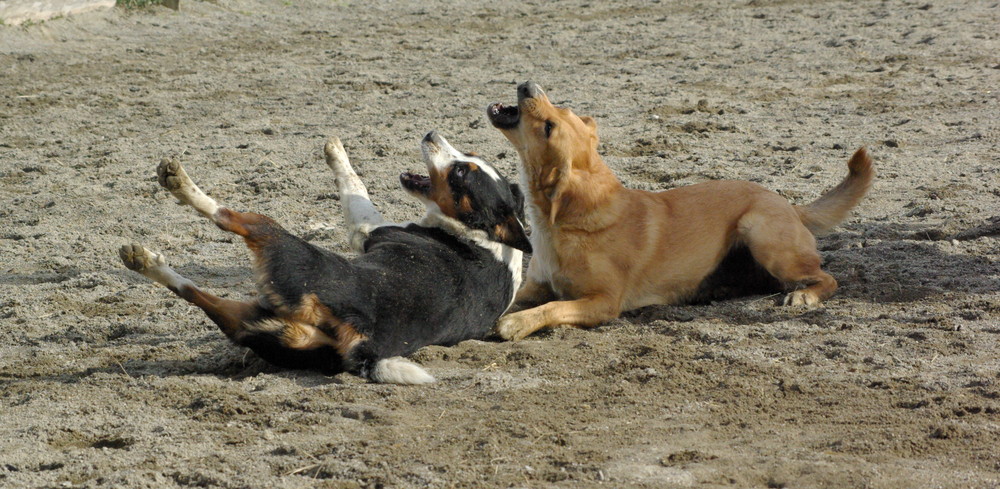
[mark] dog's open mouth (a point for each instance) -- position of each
(415, 183)
(502, 116)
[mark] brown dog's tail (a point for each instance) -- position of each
(832, 207)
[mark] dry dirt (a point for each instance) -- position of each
(107, 380)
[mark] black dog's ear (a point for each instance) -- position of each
(511, 233)
(518, 200)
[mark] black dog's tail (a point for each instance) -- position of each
(398, 370)
(393, 370)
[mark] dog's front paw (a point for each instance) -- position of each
(804, 297)
(514, 327)
(137, 258)
(335, 149)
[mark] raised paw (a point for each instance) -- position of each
(336, 158)
(804, 297)
(171, 175)
(335, 149)
(139, 259)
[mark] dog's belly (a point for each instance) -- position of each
(668, 295)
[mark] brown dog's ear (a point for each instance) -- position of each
(557, 182)
(511, 233)
(592, 124)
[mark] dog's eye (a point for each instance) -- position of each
(460, 171)
(548, 128)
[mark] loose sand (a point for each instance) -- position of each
(107, 380)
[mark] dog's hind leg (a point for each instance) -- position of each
(256, 228)
(172, 177)
(229, 315)
(287, 341)
(781, 244)
(359, 212)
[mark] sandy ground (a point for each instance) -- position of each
(107, 380)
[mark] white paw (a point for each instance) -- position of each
(335, 149)
(801, 298)
(139, 259)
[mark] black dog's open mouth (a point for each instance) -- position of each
(502, 116)
(415, 183)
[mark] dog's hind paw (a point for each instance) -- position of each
(804, 297)
(171, 175)
(139, 259)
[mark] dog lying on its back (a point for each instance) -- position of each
(600, 248)
(441, 281)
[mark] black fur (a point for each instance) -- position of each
(737, 275)
(491, 204)
(413, 286)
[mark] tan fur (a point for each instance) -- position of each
(441, 193)
(601, 248)
(312, 325)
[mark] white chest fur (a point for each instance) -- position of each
(544, 262)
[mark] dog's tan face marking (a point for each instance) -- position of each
(467, 189)
(441, 193)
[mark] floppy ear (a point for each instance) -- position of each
(511, 233)
(557, 181)
(592, 124)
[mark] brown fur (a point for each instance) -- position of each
(441, 193)
(305, 325)
(601, 248)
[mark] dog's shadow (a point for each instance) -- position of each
(201, 357)
(873, 263)
(895, 262)
(217, 357)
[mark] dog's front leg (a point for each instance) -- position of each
(585, 312)
(360, 214)
(532, 293)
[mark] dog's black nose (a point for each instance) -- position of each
(430, 136)
(529, 89)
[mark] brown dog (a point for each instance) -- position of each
(600, 248)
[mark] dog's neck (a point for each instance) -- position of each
(505, 254)
(454, 227)
(573, 196)
(435, 219)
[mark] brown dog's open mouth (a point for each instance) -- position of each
(502, 116)
(415, 183)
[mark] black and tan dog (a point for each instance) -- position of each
(600, 248)
(441, 281)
